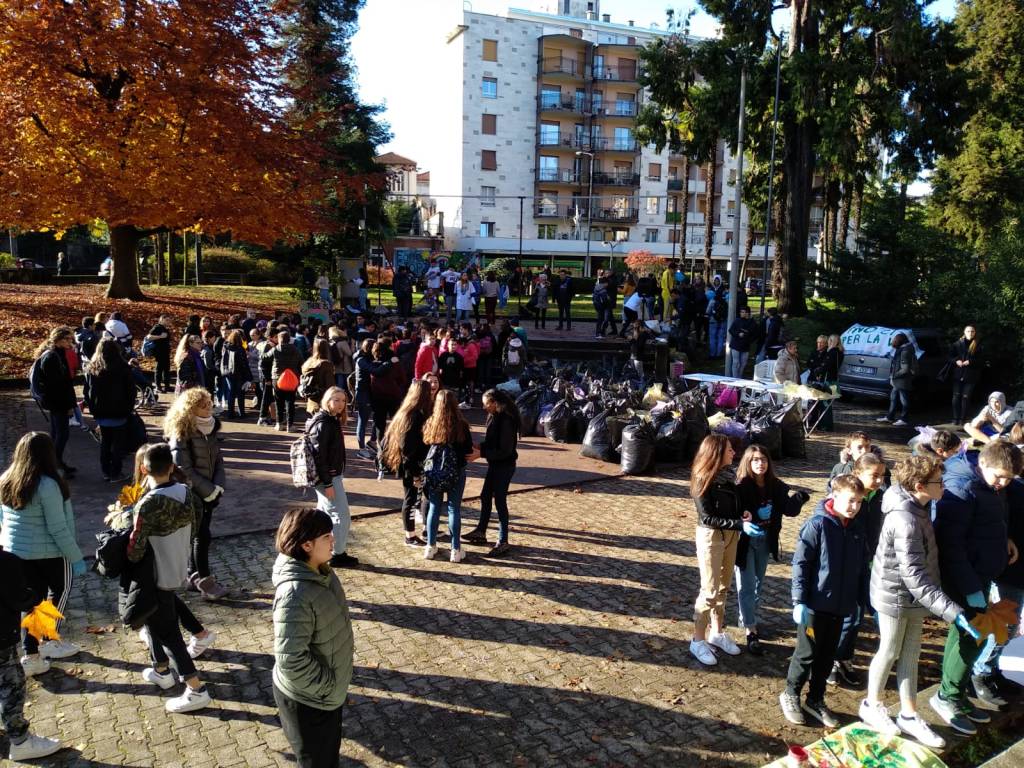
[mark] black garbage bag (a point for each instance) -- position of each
(556, 422)
(529, 410)
(579, 422)
(791, 425)
(597, 442)
(697, 427)
(764, 431)
(670, 444)
(637, 448)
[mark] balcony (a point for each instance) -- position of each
(694, 187)
(559, 175)
(616, 179)
(620, 215)
(562, 103)
(610, 144)
(562, 141)
(617, 74)
(560, 65)
(616, 109)
(550, 211)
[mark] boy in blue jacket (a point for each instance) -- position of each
(974, 548)
(829, 583)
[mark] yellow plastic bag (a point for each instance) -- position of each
(653, 396)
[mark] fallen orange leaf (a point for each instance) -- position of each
(42, 622)
(997, 621)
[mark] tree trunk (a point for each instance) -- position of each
(709, 215)
(844, 215)
(161, 265)
(124, 274)
(858, 206)
(686, 210)
(779, 233)
(748, 249)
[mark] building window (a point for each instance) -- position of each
(547, 231)
(488, 160)
(550, 97)
(490, 87)
(575, 32)
(620, 235)
(396, 181)
(487, 196)
(654, 172)
(548, 168)
(490, 50)
(549, 134)
(486, 229)
(651, 236)
(652, 208)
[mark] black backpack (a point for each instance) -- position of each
(35, 380)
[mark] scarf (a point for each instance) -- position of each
(205, 425)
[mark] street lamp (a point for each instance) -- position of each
(590, 201)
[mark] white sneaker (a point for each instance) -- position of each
(74, 422)
(723, 642)
(34, 747)
(279, 427)
(917, 729)
(58, 649)
(429, 552)
(34, 665)
(189, 701)
(418, 517)
(457, 556)
(899, 423)
(703, 653)
(883, 420)
(876, 717)
(144, 635)
(163, 680)
(196, 645)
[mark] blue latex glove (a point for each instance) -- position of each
(78, 569)
(976, 600)
(752, 530)
(962, 622)
(802, 614)
(765, 512)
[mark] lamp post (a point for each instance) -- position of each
(734, 259)
(771, 162)
(590, 201)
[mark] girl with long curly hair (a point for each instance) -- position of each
(191, 430)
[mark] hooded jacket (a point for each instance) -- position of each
(312, 635)
(165, 519)
(787, 368)
(901, 372)
(830, 564)
(905, 572)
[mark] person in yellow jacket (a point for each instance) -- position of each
(668, 282)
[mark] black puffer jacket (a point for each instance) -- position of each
(111, 394)
(55, 380)
(199, 458)
(328, 442)
(784, 504)
(971, 533)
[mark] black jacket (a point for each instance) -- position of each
(15, 598)
(414, 450)
(720, 507)
(969, 374)
(367, 367)
(1014, 574)
(500, 439)
(783, 504)
(742, 334)
(136, 600)
(111, 394)
(971, 533)
(564, 293)
(234, 363)
(55, 381)
(328, 443)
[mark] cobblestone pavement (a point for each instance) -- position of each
(572, 651)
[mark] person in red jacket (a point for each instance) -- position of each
(426, 356)
(467, 346)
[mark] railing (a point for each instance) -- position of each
(555, 65)
(616, 214)
(616, 179)
(568, 140)
(562, 175)
(571, 103)
(616, 109)
(619, 74)
(607, 144)
(675, 185)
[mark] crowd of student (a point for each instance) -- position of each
(937, 536)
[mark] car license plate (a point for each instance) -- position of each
(861, 369)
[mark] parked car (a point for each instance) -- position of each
(865, 369)
(27, 264)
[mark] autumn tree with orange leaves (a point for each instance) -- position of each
(161, 116)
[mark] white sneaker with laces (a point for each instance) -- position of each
(189, 701)
(703, 653)
(34, 747)
(916, 728)
(163, 680)
(457, 556)
(724, 643)
(196, 645)
(429, 552)
(34, 665)
(876, 717)
(58, 649)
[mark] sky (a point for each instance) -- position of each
(388, 53)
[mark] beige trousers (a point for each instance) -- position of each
(716, 556)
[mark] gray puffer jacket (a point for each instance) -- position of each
(905, 572)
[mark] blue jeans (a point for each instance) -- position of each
(337, 510)
(899, 404)
(454, 512)
(739, 363)
(364, 299)
(750, 578)
(716, 339)
(363, 411)
(325, 297)
(59, 431)
(235, 395)
(462, 314)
